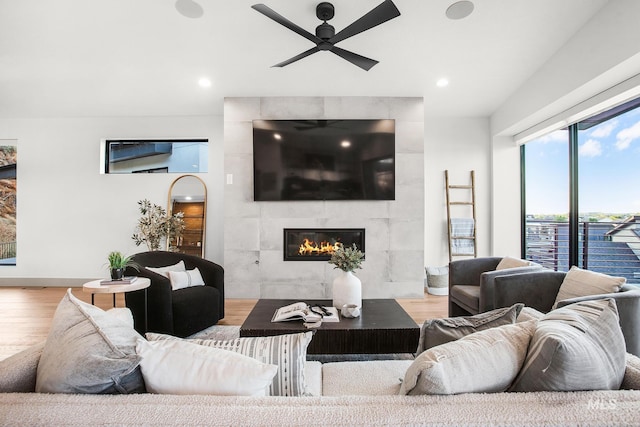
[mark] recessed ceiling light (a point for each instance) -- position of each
(204, 82)
(277, 136)
(189, 8)
(345, 143)
(459, 10)
(442, 82)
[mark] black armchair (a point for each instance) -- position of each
(539, 290)
(471, 284)
(182, 312)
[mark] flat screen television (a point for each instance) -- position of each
(324, 160)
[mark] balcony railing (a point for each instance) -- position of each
(607, 247)
(7, 250)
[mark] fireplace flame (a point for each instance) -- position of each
(309, 247)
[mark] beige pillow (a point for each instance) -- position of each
(88, 351)
(185, 279)
(180, 367)
(577, 347)
(580, 283)
(509, 262)
(483, 362)
(165, 270)
(288, 352)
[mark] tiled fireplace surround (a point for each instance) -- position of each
(253, 231)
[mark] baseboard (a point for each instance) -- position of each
(42, 282)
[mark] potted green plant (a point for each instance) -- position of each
(117, 264)
(347, 288)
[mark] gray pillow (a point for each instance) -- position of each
(439, 331)
(577, 347)
(483, 362)
(88, 351)
(288, 352)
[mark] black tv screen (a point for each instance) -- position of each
(324, 160)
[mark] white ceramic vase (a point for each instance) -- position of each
(347, 289)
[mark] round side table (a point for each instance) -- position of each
(94, 287)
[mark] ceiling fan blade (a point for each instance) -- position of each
(298, 57)
(270, 13)
(376, 16)
(359, 60)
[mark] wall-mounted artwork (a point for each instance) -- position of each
(8, 188)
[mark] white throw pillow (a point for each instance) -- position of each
(185, 279)
(484, 362)
(287, 351)
(180, 367)
(581, 283)
(510, 262)
(165, 270)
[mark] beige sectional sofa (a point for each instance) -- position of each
(346, 394)
(83, 339)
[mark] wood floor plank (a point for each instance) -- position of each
(26, 313)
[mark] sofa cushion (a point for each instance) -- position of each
(467, 294)
(483, 362)
(439, 331)
(363, 378)
(88, 351)
(288, 352)
(577, 347)
(580, 283)
(510, 262)
(185, 279)
(180, 367)
(631, 380)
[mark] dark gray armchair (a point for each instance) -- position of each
(182, 312)
(539, 290)
(471, 284)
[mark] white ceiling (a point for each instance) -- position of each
(75, 58)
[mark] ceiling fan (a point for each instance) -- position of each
(326, 37)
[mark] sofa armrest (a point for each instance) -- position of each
(212, 274)
(18, 372)
(487, 285)
(160, 318)
(468, 271)
(537, 289)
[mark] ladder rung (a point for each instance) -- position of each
(456, 254)
(464, 187)
(460, 203)
(463, 238)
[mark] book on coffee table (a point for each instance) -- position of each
(127, 280)
(308, 314)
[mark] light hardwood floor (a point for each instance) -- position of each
(26, 313)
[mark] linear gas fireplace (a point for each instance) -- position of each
(317, 244)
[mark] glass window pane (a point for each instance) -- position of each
(608, 158)
(547, 200)
(157, 156)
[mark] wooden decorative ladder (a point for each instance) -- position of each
(462, 230)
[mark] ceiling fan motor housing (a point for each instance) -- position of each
(325, 31)
(325, 11)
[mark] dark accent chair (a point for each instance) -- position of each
(539, 290)
(471, 284)
(182, 312)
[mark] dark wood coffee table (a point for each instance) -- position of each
(382, 328)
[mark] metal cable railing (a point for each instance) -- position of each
(611, 248)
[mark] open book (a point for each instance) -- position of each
(309, 314)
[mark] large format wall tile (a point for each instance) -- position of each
(254, 267)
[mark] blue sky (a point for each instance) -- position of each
(609, 169)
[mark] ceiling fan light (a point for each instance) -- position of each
(459, 10)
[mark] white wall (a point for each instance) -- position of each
(70, 216)
(459, 145)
